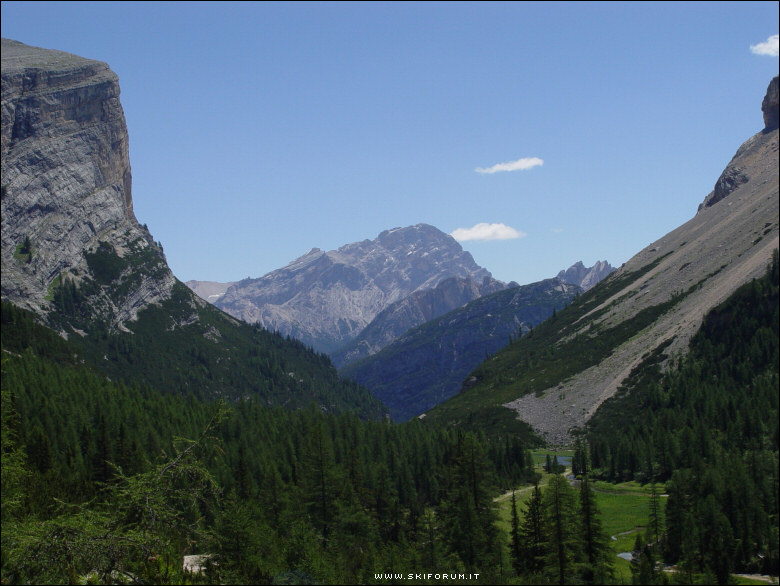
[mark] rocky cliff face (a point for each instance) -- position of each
(67, 208)
(771, 106)
(586, 277)
(326, 298)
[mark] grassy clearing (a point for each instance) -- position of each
(624, 510)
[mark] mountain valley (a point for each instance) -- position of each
(363, 410)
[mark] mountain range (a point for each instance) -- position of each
(350, 288)
(426, 365)
(325, 299)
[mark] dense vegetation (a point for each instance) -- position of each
(98, 486)
(273, 493)
(708, 428)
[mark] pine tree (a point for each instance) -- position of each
(580, 463)
(561, 530)
(320, 480)
(654, 521)
(597, 555)
(532, 535)
(514, 538)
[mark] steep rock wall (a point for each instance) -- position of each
(67, 186)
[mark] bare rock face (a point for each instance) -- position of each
(326, 298)
(770, 106)
(66, 187)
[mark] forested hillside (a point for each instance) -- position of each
(708, 428)
(185, 346)
(427, 365)
(95, 479)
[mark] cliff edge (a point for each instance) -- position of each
(67, 207)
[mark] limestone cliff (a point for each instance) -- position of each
(67, 207)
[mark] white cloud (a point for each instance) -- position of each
(484, 231)
(768, 47)
(518, 165)
(557, 230)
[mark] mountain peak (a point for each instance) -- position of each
(582, 276)
(770, 107)
(327, 298)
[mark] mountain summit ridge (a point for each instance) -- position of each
(326, 298)
(586, 277)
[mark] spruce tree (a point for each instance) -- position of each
(562, 541)
(532, 535)
(597, 554)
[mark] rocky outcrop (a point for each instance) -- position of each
(586, 277)
(735, 174)
(66, 188)
(412, 311)
(325, 299)
(770, 106)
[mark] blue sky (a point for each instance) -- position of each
(570, 131)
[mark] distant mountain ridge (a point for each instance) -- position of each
(414, 310)
(208, 290)
(578, 274)
(423, 306)
(427, 364)
(325, 299)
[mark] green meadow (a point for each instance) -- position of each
(624, 509)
